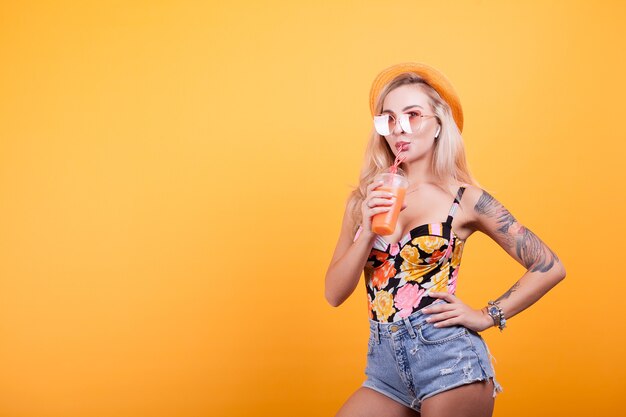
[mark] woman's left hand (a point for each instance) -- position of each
(456, 312)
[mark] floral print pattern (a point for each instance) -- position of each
(380, 276)
(383, 305)
(408, 297)
(428, 244)
(400, 278)
(456, 255)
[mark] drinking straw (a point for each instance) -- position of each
(401, 146)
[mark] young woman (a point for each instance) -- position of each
(425, 353)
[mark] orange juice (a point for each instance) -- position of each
(385, 223)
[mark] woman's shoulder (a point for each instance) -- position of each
(470, 190)
(471, 193)
(467, 213)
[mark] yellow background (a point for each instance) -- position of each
(173, 176)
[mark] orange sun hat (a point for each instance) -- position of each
(433, 77)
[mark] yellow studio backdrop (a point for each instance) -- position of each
(173, 176)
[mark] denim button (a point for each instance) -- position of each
(394, 328)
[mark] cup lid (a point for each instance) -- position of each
(399, 171)
(397, 179)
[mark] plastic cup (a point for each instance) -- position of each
(385, 223)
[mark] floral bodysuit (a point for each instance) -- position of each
(399, 277)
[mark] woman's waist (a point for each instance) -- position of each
(416, 318)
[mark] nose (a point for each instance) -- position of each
(397, 128)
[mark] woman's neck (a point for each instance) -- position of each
(419, 173)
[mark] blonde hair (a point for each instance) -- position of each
(448, 163)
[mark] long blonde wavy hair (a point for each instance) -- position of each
(448, 163)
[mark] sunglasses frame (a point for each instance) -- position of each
(381, 121)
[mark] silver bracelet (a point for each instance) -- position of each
(496, 314)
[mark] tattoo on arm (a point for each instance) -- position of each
(533, 252)
(489, 206)
(509, 292)
(535, 255)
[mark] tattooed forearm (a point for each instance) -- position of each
(509, 292)
(533, 253)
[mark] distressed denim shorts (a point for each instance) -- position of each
(410, 360)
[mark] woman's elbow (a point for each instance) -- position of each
(559, 271)
(333, 300)
(333, 303)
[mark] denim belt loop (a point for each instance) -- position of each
(409, 327)
(376, 334)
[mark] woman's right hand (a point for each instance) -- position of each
(376, 201)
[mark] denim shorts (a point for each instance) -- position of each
(410, 360)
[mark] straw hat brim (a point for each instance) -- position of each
(433, 77)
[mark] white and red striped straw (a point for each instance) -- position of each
(399, 157)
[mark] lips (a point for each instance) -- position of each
(402, 146)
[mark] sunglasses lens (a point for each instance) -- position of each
(383, 124)
(406, 122)
(386, 123)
